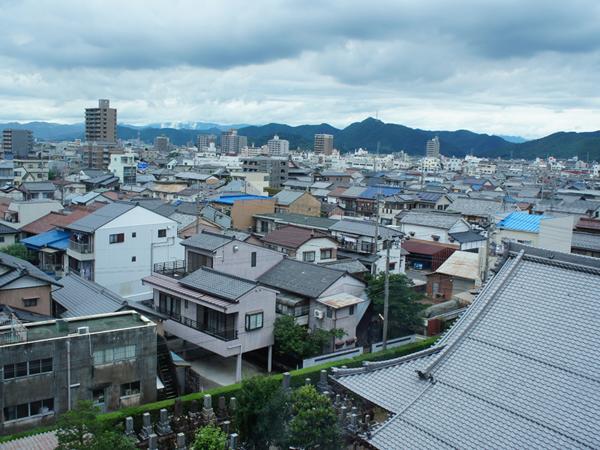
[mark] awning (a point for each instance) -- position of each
(49, 250)
(56, 239)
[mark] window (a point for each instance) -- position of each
(254, 321)
(113, 355)
(162, 233)
(253, 259)
(329, 312)
(30, 302)
(392, 266)
(128, 389)
(308, 256)
(351, 310)
(134, 234)
(98, 396)
(365, 246)
(133, 259)
(116, 238)
(23, 410)
(326, 253)
(1, 238)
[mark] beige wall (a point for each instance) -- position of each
(307, 205)
(242, 212)
(14, 298)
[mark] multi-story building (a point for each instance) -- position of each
(101, 123)
(161, 144)
(17, 143)
(323, 144)
(204, 140)
(432, 148)
(232, 142)
(117, 245)
(275, 166)
(96, 156)
(47, 367)
(30, 170)
(123, 165)
(278, 147)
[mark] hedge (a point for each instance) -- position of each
(298, 378)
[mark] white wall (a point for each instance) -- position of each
(556, 234)
(114, 267)
(316, 245)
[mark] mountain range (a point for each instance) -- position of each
(368, 134)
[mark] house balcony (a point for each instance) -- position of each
(223, 334)
(81, 250)
(174, 269)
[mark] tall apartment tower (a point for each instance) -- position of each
(101, 123)
(278, 147)
(232, 142)
(161, 144)
(432, 149)
(323, 144)
(16, 143)
(204, 140)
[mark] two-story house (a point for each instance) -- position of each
(297, 202)
(118, 244)
(430, 225)
(302, 244)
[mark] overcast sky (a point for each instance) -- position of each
(521, 67)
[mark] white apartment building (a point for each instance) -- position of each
(278, 147)
(119, 244)
(124, 167)
(430, 164)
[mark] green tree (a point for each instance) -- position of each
(18, 251)
(210, 438)
(262, 412)
(405, 310)
(314, 424)
(80, 429)
(300, 342)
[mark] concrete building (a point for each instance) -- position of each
(232, 142)
(123, 166)
(95, 155)
(275, 166)
(323, 144)
(101, 123)
(118, 244)
(161, 144)
(432, 148)
(47, 367)
(16, 143)
(30, 170)
(278, 147)
(204, 140)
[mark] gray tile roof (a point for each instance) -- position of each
(218, 284)
(517, 370)
(300, 220)
(479, 207)
(301, 278)
(19, 268)
(429, 219)
(587, 241)
(101, 217)
(363, 228)
(207, 241)
(38, 186)
(287, 197)
(84, 298)
(464, 237)
(5, 229)
(347, 265)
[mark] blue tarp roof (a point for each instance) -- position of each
(522, 222)
(230, 199)
(57, 239)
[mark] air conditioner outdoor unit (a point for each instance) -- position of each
(318, 314)
(83, 330)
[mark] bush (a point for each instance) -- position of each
(210, 438)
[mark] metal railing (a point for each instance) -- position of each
(52, 268)
(174, 269)
(81, 247)
(224, 334)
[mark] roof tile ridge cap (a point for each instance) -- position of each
(427, 372)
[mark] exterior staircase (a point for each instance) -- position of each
(166, 370)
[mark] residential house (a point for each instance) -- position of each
(296, 202)
(586, 244)
(427, 255)
(8, 235)
(302, 244)
(319, 297)
(22, 213)
(459, 273)
(118, 244)
(35, 190)
(551, 233)
(46, 367)
(502, 376)
(265, 223)
(242, 208)
(434, 226)
(480, 212)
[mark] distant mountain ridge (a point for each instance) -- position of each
(365, 134)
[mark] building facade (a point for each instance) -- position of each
(17, 143)
(323, 144)
(101, 123)
(278, 147)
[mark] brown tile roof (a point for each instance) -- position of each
(338, 191)
(292, 237)
(426, 247)
(59, 220)
(588, 224)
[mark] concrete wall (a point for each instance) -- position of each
(14, 297)
(556, 234)
(306, 205)
(114, 267)
(54, 384)
(242, 212)
(238, 262)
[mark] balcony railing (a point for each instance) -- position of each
(52, 268)
(81, 247)
(173, 269)
(224, 334)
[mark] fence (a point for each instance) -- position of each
(335, 356)
(397, 342)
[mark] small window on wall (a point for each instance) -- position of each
(254, 321)
(308, 256)
(116, 238)
(253, 259)
(162, 233)
(30, 302)
(128, 389)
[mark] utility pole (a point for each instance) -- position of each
(197, 213)
(386, 295)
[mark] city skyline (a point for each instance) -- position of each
(505, 68)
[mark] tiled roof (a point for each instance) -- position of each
(37, 186)
(588, 224)
(301, 278)
(479, 207)
(101, 217)
(219, 284)
(42, 441)
(464, 237)
(426, 247)
(207, 241)
(81, 297)
(291, 237)
(432, 219)
(585, 241)
(347, 265)
(287, 197)
(461, 265)
(58, 219)
(5, 229)
(20, 268)
(363, 228)
(299, 220)
(515, 371)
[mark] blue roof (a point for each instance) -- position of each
(374, 191)
(56, 239)
(519, 221)
(230, 199)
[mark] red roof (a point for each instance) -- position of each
(59, 219)
(292, 237)
(426, 247)
(588, 224)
